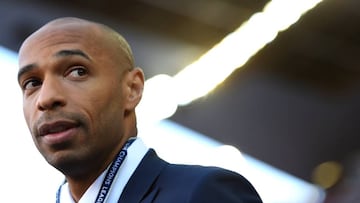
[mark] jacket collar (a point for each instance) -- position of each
(139, 187)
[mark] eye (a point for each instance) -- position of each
(77, 72)
(31, 84)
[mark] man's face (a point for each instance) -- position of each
(73, 95)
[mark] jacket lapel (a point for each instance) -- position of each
(139, 186)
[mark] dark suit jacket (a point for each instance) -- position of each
(158, 181)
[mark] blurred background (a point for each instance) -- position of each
(293, 104)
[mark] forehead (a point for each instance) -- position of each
(52, 38)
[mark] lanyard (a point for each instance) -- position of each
(109, 177)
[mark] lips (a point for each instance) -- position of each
(56, 127)
(58, 132)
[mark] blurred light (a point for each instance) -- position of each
(233, 51)
(230, 157)
(211, 69)
(327, 174)
(158, 100)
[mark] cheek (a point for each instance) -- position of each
(106, 105)
(103, 103)
(107, 93)
(29, 112)
(107, 118)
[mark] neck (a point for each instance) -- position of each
(78, 187)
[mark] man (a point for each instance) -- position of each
(80, 89)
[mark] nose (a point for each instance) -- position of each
(51, 95)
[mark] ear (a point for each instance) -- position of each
(134, 87)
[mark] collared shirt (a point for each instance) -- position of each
(136, 152)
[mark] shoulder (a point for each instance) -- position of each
(212, 184)
(200, 173)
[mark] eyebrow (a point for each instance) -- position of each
(25, 69)
(72, 52)
(61, 53)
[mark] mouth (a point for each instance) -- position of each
(57, 132)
